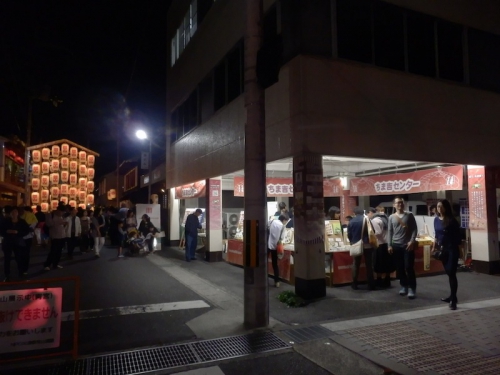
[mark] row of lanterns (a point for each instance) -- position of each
(72, 152)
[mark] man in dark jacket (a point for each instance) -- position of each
(354, 229)
(191, 234)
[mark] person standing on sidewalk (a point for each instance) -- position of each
(73, 231)
(57, 227)
(191, 234)
(383, 262)
(98, 231)
(276, 230)
(40, 216)
(26, 213)
(85, 227)
(448, 237)
(402, 234)
(354, 234)
(13, 231)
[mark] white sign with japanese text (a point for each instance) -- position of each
(30, 319)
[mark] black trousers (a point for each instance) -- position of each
(356, 262)
(71, 243)
(56, 246)
(274, 261)
(8, 252)
(405, 266)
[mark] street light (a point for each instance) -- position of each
(141, 134)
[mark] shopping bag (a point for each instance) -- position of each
(356, 249)
(280, 249)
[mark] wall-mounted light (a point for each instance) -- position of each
(343, 181)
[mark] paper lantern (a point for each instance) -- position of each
(90, 160)
(54, 191)
(45, 207)
(82, 195)
(73, 152)
(65, 149)
(55, 151)
(53, 204)
(36, 156)
(44, 181)
(82, 170)
(111, 194)
(73, 179)
(45, 153)
(64, 200)
(72, 203)
(82, 156)
(90, 186)
(54, 165)
(64, 189)
(72, 192)
(54, 178)
(44, 195)
(90, 199)
(82, 183)
(73, 166)
(82, 206)
(64, 163)
(35, 169)
(45, 167)
(33, 208)
(64, 176)
(35, 198)
(90, 173)
(35, 183)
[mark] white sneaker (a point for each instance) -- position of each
(59, 267)
(46, 269)
(121, 256)
(277, 284)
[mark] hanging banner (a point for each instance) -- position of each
(194, 190)
(448, 178)
(477, 198)
(283, 187)
(215, 204)
(31, 319)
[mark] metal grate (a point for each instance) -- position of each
(167, 357)
(300, 335)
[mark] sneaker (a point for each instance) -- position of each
(277, 284)
(46, 268)
(411, 294)
(403, 291)
(59, 266)
(7, 279)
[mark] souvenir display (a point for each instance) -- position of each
(55, 151)
(45, 153)
(35, 170)
(82, 170)
(44, 195)
(64, 176)
(65, 149)
(45, 181)
(90, 173)
(35, 183)
(54, 165)
(36, 156)
(64, 189)
(73, 152)
(64, 163)
(45, 167)
(90, 160)
(82, 156)
(35, 198)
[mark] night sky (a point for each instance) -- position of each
(105, 60)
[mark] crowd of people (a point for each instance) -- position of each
(70, 228)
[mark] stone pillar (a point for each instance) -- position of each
(174, 218)
(309, 225)
(213, 245)
(483, 221)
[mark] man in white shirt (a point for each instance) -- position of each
(383, 262)
(73, 231)
(276, 231)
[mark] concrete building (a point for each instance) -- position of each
(393, 80)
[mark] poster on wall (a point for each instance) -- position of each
(477, 197)
(215, 204)
(193, 190)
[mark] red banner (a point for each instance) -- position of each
(194, 190)
(477, 197)
(283, 187)
(448, 178)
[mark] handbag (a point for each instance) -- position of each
(372, 237)
(440, 254)
(357, 248)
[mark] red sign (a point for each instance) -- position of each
(283, 187)
(215, 204)
(448, 178)
(194, 190)
(477, 197)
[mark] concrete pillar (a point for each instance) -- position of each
(309, 225)
(213, 251)
(174, 219)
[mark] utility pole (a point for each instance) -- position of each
(256, 294)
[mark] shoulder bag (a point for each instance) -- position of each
(280, 248)
(372, 237)
(357, 248)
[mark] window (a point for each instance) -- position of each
(389, 36)
(185, 32)
(220, 85)
(421, 44)
(484, 60)
(206, 95)
(234, 73)
(450, 51)
(354, 32)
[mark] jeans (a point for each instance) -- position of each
(405, 266)
(191, 243)
(368, 254)
(56, 246)
(274, 261)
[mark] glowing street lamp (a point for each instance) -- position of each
(142, 135)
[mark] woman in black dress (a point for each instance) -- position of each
(448, 238)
